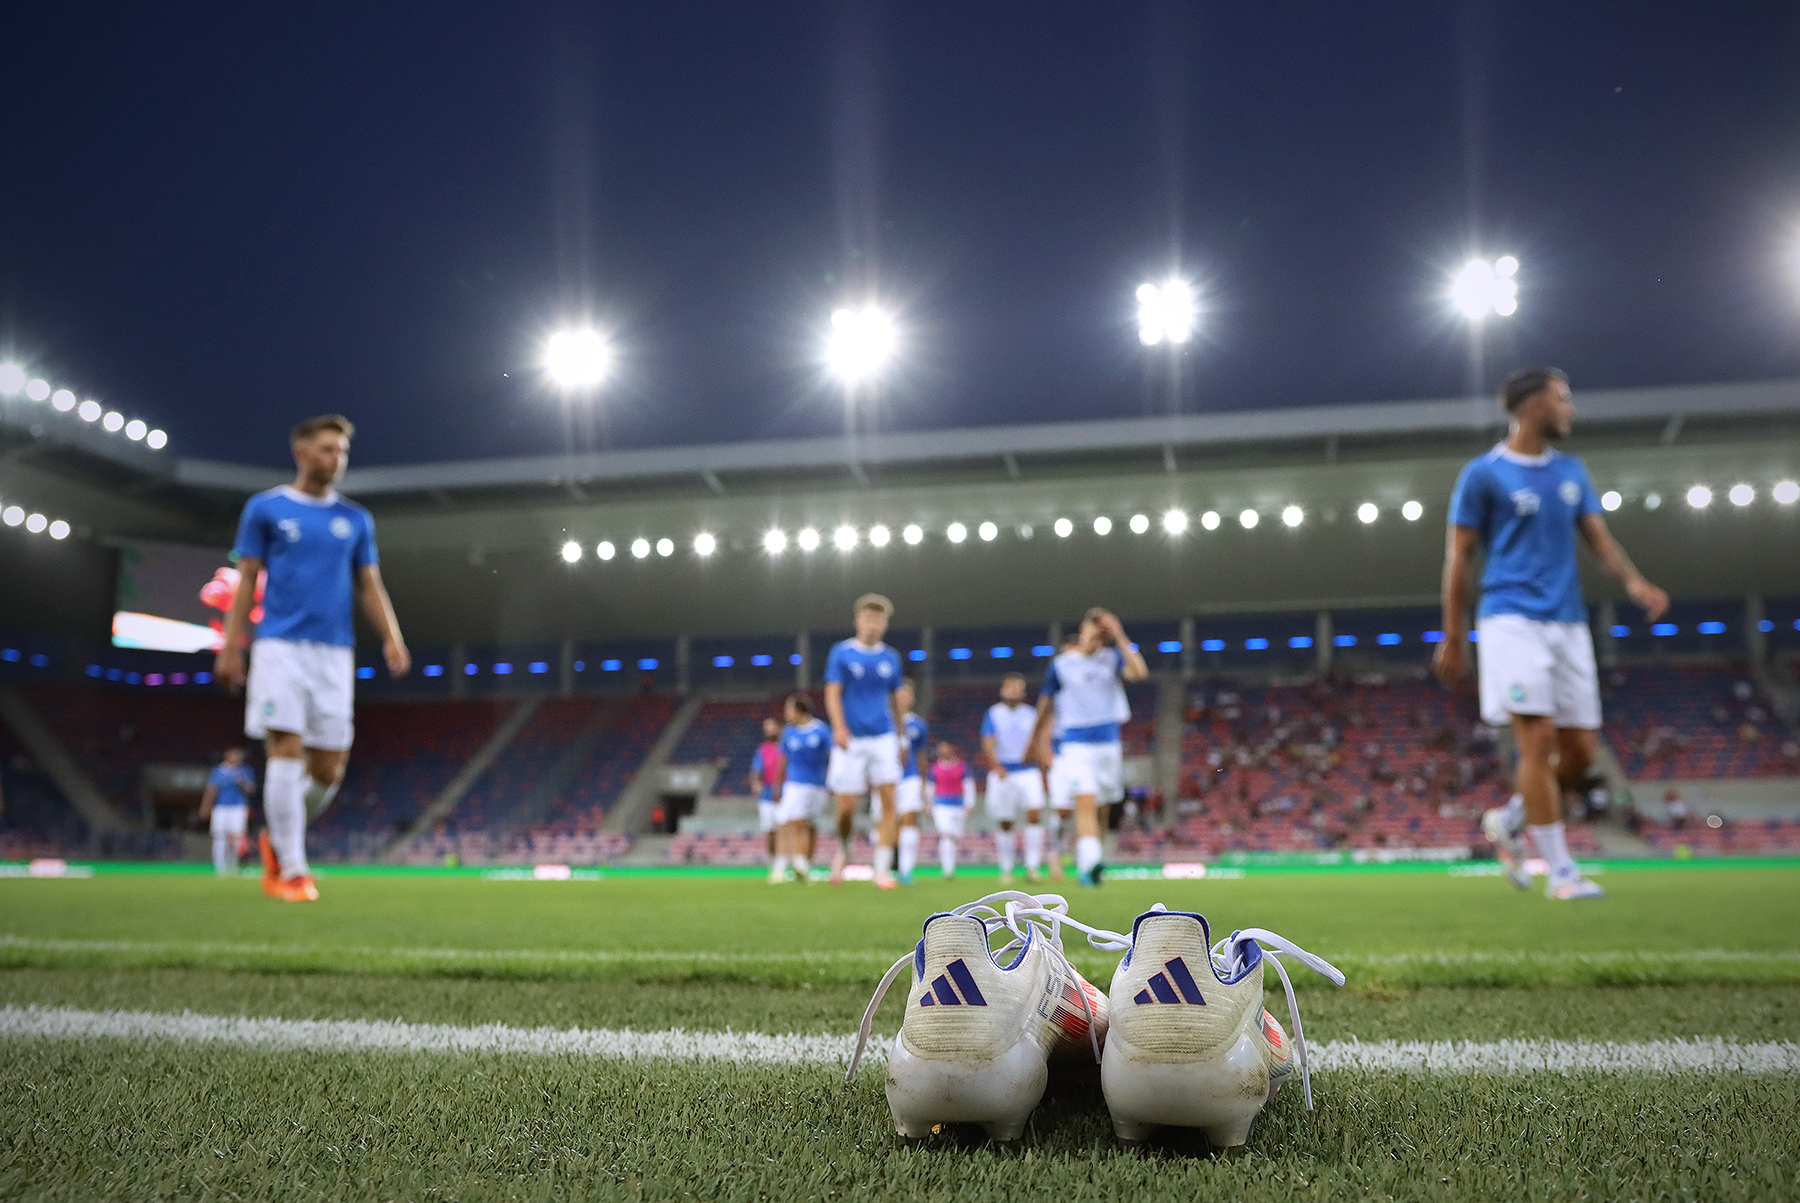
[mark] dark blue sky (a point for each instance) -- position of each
(222, 219)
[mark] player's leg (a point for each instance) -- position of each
(909, 798)
(881, 760)
(1085, 785)
(1031, 801)
(284, 804)
(949, 823)
(847, 783)
(1002, 807)
(275, 710)
(1514, 667)
(1575, 696)
(1062, 822)
(224, 842)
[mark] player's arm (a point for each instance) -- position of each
(1451, 660)
(1134, 668)
(228, 665)
(207, 797)
(380, 609)
(247, 783)
(987, 754)
(1040, 732)
(1618, 565)
(834, 710)
(899, 726)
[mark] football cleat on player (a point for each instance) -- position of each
(1573, 890)
(982, 1028)
(1509, 845)
(1190, 1044)
(271, 865)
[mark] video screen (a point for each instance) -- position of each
(173, 597)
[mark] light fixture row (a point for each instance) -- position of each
(34, 522)
(13, 381)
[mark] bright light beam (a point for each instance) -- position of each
(1166, 313)
(577, 359)
(860, 343)
(1481, 288)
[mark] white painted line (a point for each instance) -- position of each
(1507, 1057)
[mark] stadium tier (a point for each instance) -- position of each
(1696, 721)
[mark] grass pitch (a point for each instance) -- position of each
(1668, 955)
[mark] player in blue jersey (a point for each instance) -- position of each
(225, 808)
(1083, 697)
(909, 795)
(806, 751)
(862, 683)
(1015, 784)
(319, 551)
(1523, 504)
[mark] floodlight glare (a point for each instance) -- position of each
(640, 548)
(571, 552)
(1248, 519)
(1653, 501)
(808, 539)
(988, 532)
(1611, 500)
(63, 399)
(1481, 288)
(135, 430)
(1786, 492)
(12, 378)
(1412, 511)
(37, 390)
(59, 529)
(577, 359)
(1063, 528)
(844, 538)
(1175, 522)
(1293, 515)
(1367, 512)
(1506, 266)
(1741, 494)
(956, 532)
(775, 542)
(705, 544)
(1699, 497)
(12, 515)
(1139, 523)
(861, 342)
(156, 440)
(35, 523)
(89, 411)
(1103, 525)
(665, 547)
(914, 534)
(879, 536)
(1166, 313)
(1210, 520)
(605, 550)
(113, 421)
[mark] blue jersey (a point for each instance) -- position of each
(1089, 698)
(916, 732)
(808, 751)
(232, 785)
(1525, 509)
(1010, 728)
(312, 547)
(869, 676)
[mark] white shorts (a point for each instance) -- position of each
(803, 802)
(765, 815)
(870, 760)
(230, 820)
(909, 796)
(948, 820)
(1009, 797)
(1061, 796)
(1097, 769)
(306, 688)
(1532, 667)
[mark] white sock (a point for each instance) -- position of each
(225, 855)
(802, 868)
(1087, 852)
(778, 866)
(284, 807)
(318, 796)
(1555, 851)
(1513, 813)
(1003, 850)
(947, 855)
(909, 850)
(884, 862)
(1034, 847)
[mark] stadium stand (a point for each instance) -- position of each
(726, 732)
(1699, 720)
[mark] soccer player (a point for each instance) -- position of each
(1523, 504)
(225, 806)
(952, 794)
(910, 794)
(862, 684)
(1015, 785)
(800, 780)
(319, 550)
(765, 770)
(1083, 697)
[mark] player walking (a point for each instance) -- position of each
(952, 794)
(862, 683)
(225, 807)
(1523, 503)
(800, 784)
(1015, 785)
(318, 549)
(909, 796)
(1084, 699)
(765, 771)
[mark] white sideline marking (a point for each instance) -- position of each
(1506, 1057)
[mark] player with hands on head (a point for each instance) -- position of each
(862, 697)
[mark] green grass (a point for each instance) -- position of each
(1431, 957)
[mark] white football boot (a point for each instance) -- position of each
(1190, 1044)
(982, 1028)
(1509, 846)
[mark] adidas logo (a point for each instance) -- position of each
(943, 991)
(1174, 985)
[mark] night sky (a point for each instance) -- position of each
(222, 219)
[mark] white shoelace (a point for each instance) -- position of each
(1227, 954)
(1026, 916)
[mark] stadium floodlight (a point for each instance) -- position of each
(1293, 516)
(577, 359)
(114, 421)
(1025, 530)
(89, 411)
(1210, 520)
(1166, 312)
(665, 547)
(988, 532)
(1140, 523)
(861, 342)
(956, 532)
(1103, 525)
(1785, 492)
(1412, 511)
(1248, 519)
(774, 541)
(1653, 501)
(63, 400)
(59, 529)
(1699, 497)
(640, 549)
(12, 378)
(37, 390)
(808, 539)
(605, 550)
(35, 523)
(12, 515)
(1612, 499)
(1063, 528)
(571, 552)
(705, 544)
(1481, 288)
(1741, 494)
(914, 534)
(844, 538)
(156, 440)
(1175, 522)
(879, 536)
(1367, 512)
(135, 430)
